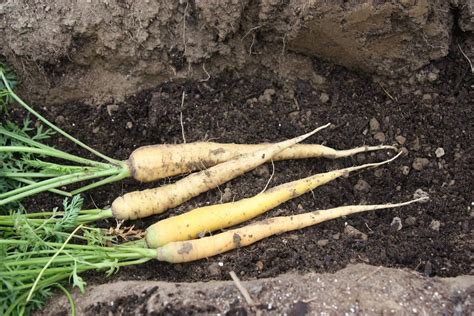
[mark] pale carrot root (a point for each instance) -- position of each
(150, 163)
(140, 204)
(191, 250)
(213, 217)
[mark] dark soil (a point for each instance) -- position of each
(222, 109)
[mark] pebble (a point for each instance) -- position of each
(405, 170)
(439, 152)
(396, 223)
(111, 108)
(419, 193)
(95, 130)
(435, 225)
(336, 236)
(380, 137)
(420, 163)
(362, 186)
(432, 77)
(374, 125)
(227, 195)
(214, 269)
(259, 265)
(322, 242)
(400, 139)
(354, 232)
(129, 125)
(262, 171)
(324, 97)
(427, 98)
(60, 120)
(267, 96)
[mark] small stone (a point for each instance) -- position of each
(111, 108)
(263, 171)
(214, 269)
(435, 225)
(322, 242)
(354, 233)
(362, 186)
(404, 151)
(420, 163)
(324, 97)
(380, 137)
(405, 170)
(267, 96)
(60, 120)
(410, 221)
(419, 193)
(439, 152)
(396, 223)
(227, 195)
(259, 265)
(418, 92)
(400, 139)
(336, 236)
(129, 125)
(374, 125)
(96, 130)
(427, 98)
(432, 77)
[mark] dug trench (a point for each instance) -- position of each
(428, 115)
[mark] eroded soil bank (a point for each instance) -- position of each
(357, 289)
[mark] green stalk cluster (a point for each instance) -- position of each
(29, 270)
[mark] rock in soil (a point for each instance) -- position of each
(354, 233)
(420, 163)
(396, 223)
(420, 193)
(435, 225)
(439, 152)
(362, 186)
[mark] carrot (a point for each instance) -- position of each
(140, 204)
(191, 250)
(213, 217)
(150, 163)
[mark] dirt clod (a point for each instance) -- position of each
(396, 223)
(362, 186)
(353, 232)
(439, 152)
(420, 163)
(435, 225)
(380, 137)
(400, 139)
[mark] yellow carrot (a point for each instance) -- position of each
(185, 251)
(213, 217)
(141, 204)
(150, 163)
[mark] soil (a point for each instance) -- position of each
(356, 290)
(431, 109)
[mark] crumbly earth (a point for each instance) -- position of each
(429, 115)
(356, 290)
